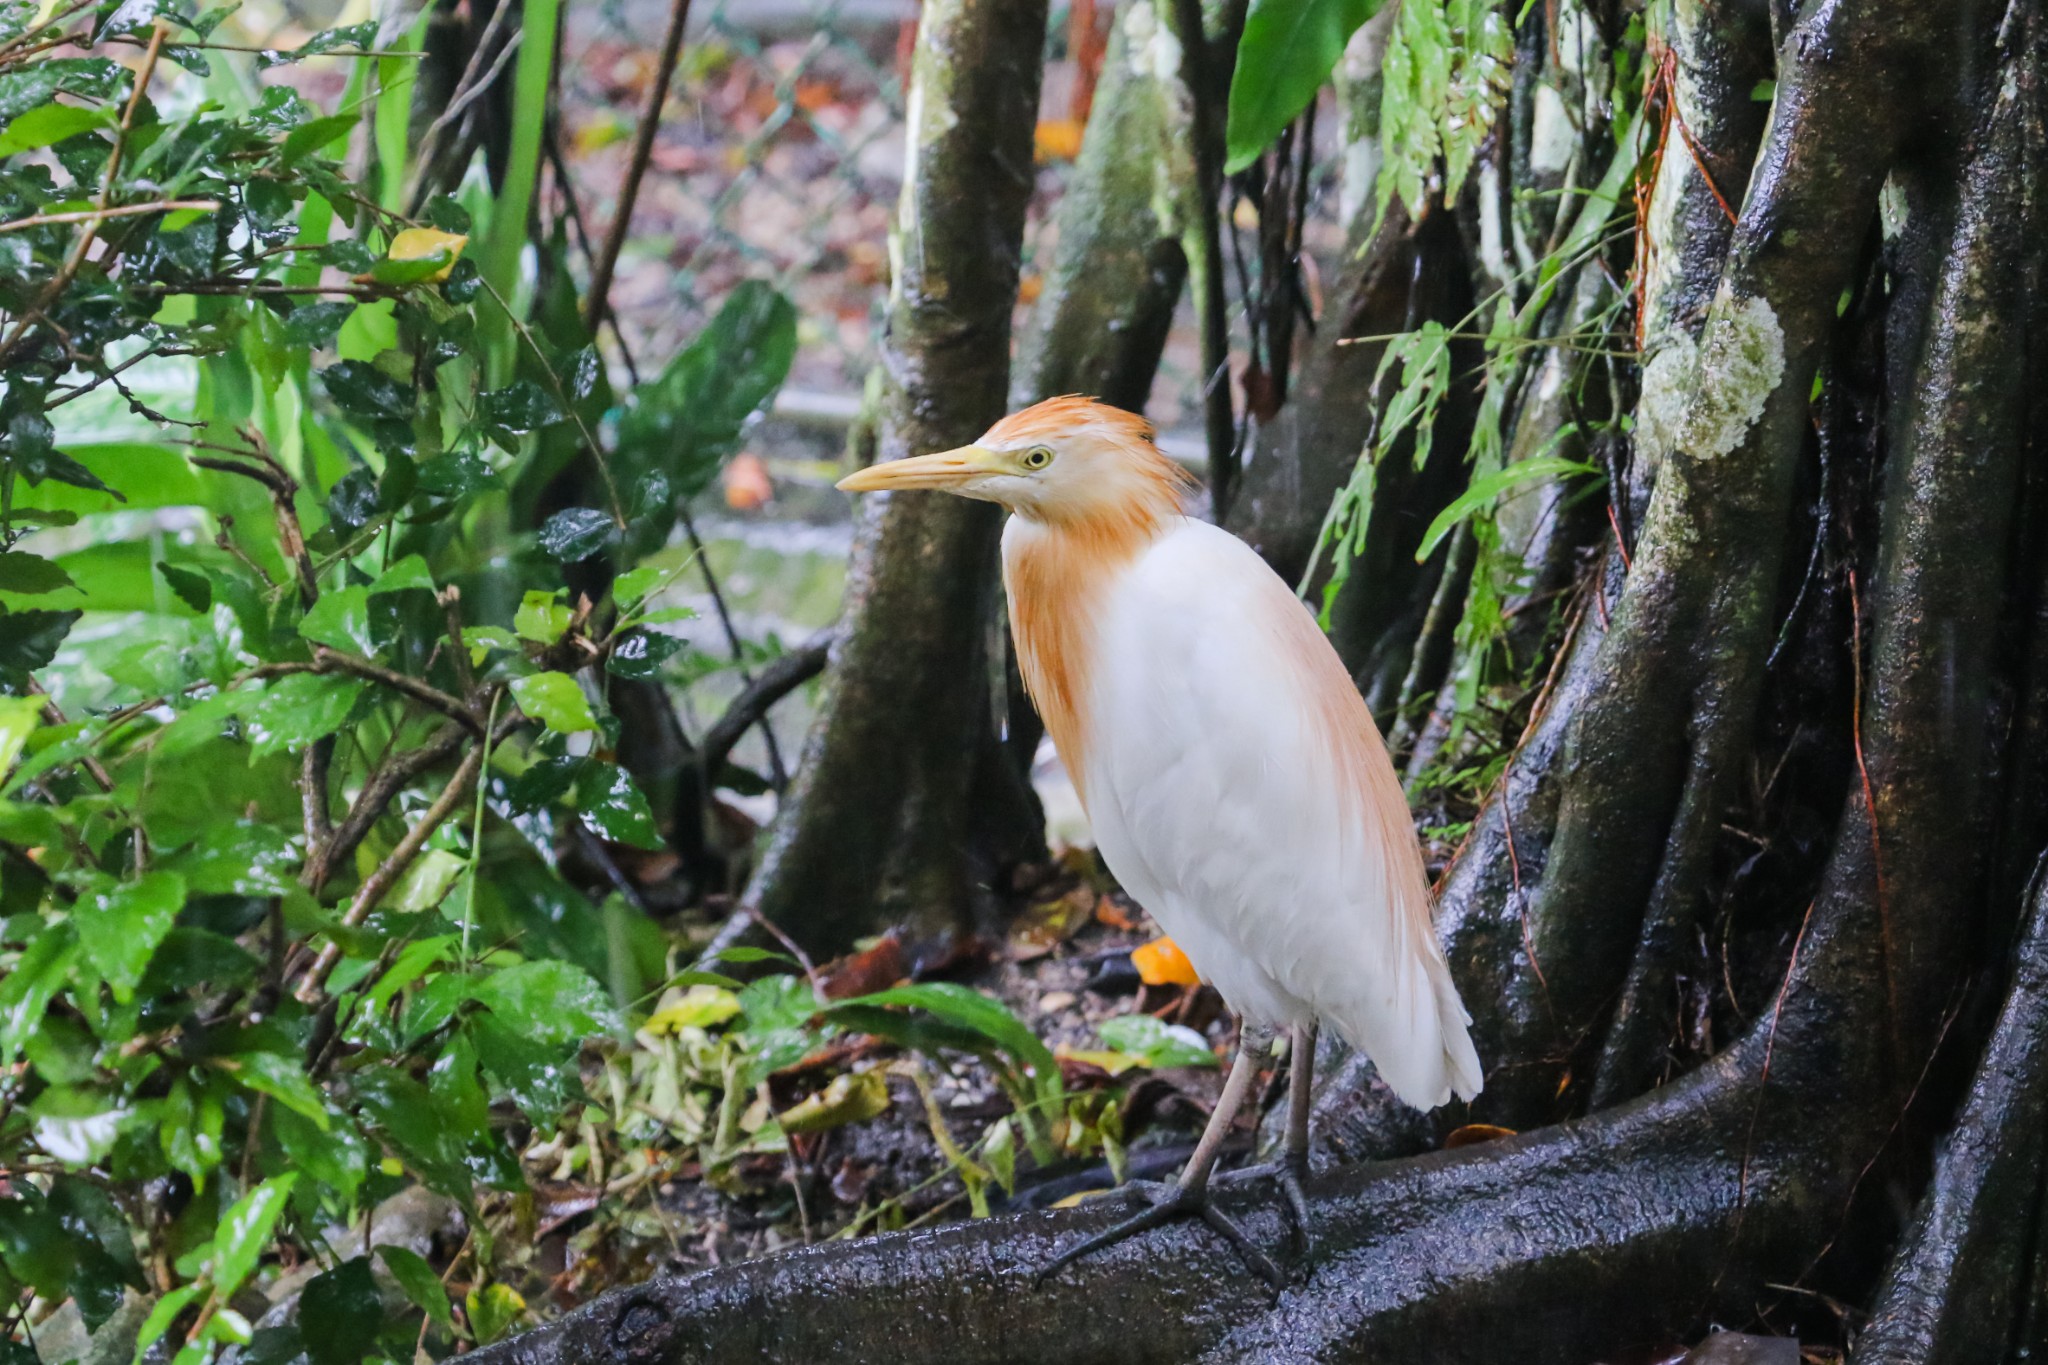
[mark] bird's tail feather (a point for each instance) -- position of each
(1422, 1047)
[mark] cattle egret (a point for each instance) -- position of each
(1235, 781)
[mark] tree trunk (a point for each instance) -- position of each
(880, 827)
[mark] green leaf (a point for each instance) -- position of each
(1483, 492)
(492, 1309)
(284, 1079)
(26, 573)
(336, 1155)
(550, 1002)
(574, 534)
(628, 588)
(314, 134)
(161, 1317)
(365, 392)
(120, 924)
(195, 590)
(969, 1009)
(340, 1314)
(1288, 50)
(245, 1232)
(408, 573)
(27, 990)
(238, 858)
(537, 1079)
(315, 325)
(29, 639)
(684, 423)
(293, 711)
(341, 620)
(541, 617)
(19, 717)
(609, 800)
(555, 701)
(420, 1283)
(641, 653)
(1155, 1042)
(52, 123)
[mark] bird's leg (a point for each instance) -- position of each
(1292, 1168)
(1189, 1194)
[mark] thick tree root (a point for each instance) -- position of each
(1957, 1290)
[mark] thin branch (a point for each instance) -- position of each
(95, 215)
(392, 868)
(776, 768)
(419, 690)
(380, 788)
(598, 301)
(751, 706)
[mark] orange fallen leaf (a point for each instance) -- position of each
(1057, 139)
(1029, 287)
(1473, 1133)
(1162, 963)
(1110, 915)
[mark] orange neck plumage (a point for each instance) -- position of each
(1058, 572)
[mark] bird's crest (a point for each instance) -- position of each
(1073, 414)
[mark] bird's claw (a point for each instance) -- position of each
(1288, 1173)
(1166, 1201)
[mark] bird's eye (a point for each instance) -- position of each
(1038, 457)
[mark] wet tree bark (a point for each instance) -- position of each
(880, 826)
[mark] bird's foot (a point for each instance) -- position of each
(1288, 1173)
(1165, 1201)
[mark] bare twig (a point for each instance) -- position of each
(776, 769)
(751, 706)
(96, 215)
(380, 788)
(392, 868)
(598, 302)
(418, 689)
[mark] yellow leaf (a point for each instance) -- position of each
(849, 1099)
(701, 1006)
(1115, 1063)
(1057, 139)
(416, 244)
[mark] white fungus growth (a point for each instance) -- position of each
(1704, 396)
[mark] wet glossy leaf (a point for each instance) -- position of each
(121, 923)
(336, 1156)
(293, 711)
(555, 700)
(641, 653)
(550, 1002)
(284, 1079)
(540, 1080)
(240, 858)
(340, 1314)
(969, 1009)
(575, 534)
(612, 803)
(245, 1232)
(420, 1283)
(1155, 1042)
(341, 620)
(195, 590)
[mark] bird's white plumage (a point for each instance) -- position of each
(1221, 799)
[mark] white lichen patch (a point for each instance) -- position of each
(1703, 397)
(1153, 49)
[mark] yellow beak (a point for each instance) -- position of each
(946, 470)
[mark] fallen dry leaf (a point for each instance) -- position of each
(1162, 963)
(850, 1098)
(1474, 1133)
